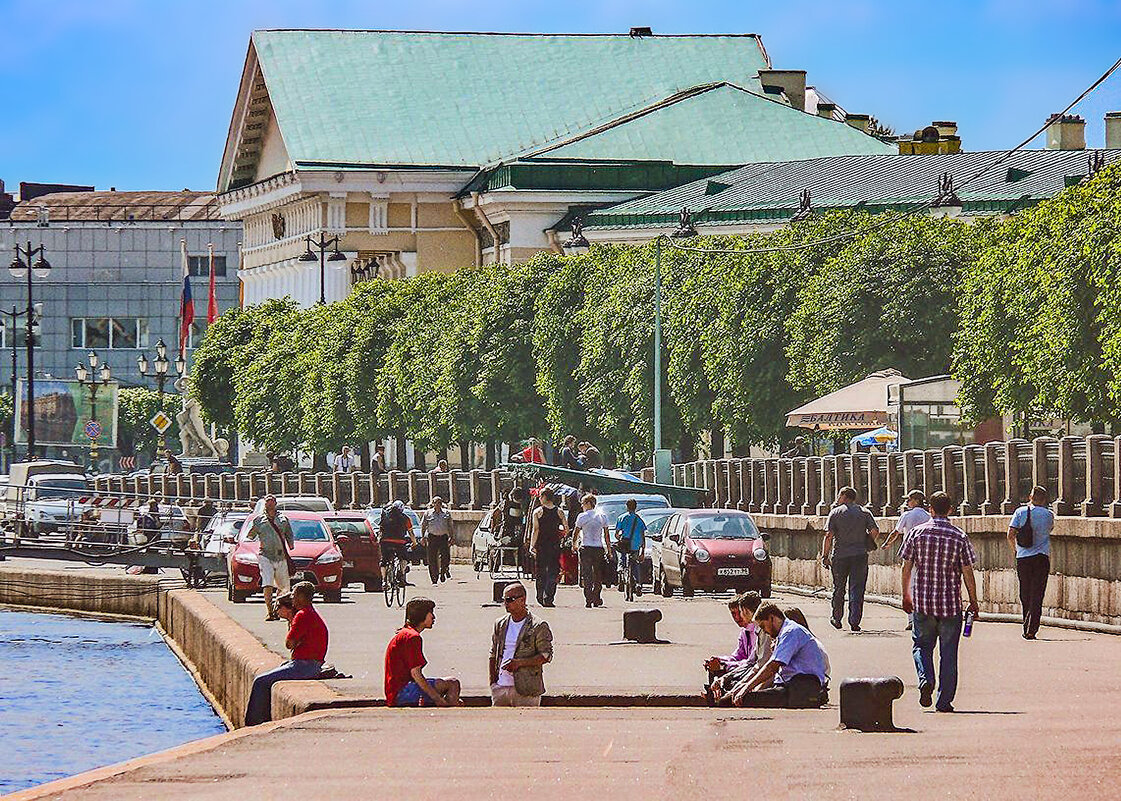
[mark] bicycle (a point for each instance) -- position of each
(393, 582)
(626, 577)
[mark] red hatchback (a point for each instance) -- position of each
(713, 549)
(354, 532)
(315, 555)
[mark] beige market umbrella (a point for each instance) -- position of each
(862, 405)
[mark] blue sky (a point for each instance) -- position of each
(137, 94)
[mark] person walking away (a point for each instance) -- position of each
(549, 528)
(519, 647)
(591, 525)
(936, 558)
(914, 515)
(796, 669)
(436, 528)
(568, 459)
(630, 542)
(394, 530)
(307, 642)
(850, 533)
(1032, 524)
(274, 532)
(345, 461)
(405, 683)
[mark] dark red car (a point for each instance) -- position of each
(713, 549)
(357, 539)
(315, 552)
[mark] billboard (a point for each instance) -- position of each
(63, 413)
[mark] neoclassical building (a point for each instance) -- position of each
(428, 151)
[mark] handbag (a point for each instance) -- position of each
(1025, 537)
(284, 545)
(607, 569)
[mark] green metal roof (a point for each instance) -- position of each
(472, 99)
(718, 124)
(636, 176)
(771, 191)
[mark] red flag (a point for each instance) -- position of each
(212, 301)
(186, 305)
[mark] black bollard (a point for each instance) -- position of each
(866, 703)
(639, 625)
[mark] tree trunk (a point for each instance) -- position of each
(687, 447)
(465, 455)
(492, 447)
(717, 443)
(420, 459)
(319, 462)
(402, 462)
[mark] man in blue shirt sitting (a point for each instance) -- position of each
(1033, 562)
(797, 667)
(630, 541)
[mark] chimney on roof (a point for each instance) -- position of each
(1112, 131)
(826, 110)
(1066, 132)
(791, 82)
(861, 122)
(938, 137)
(641, 31)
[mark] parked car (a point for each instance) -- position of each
(358, 542)
(315, 554)
(655, 519)
(615, 505)
(713, 549)
(45, 496)
(220, 534)
(297, 503)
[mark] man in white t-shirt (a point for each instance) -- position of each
(519, 647)
(591, 539)
(345, 461)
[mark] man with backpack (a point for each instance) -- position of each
(394, 530)
(630, 539)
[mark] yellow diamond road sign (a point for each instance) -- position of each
(161, 422)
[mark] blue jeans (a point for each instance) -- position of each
(851, 570)
(631, 558)
(412, 695)
(259, 709)
(946, 631)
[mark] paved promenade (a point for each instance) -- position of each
(1035, 718)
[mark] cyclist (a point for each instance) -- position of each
(630, 531)
(394, 530)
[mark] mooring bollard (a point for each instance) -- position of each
(639, 625)
(866, 703)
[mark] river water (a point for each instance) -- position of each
(77, 694)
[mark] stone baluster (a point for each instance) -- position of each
(828, 484)
(950, 484)
(476, 489)
(811, 486)
(415, 500)
(797, 486)
(720, 482)
(1066, 503)
(1094, 505)
(455, 501)
(735, 483)
(858, 478)
(495, 486)
(770, 491)
(393, 487)
(782, 484)
(970, 503)
(896, 483)
(1040, 471)
(1011, 476)
(1115, 508)
(875, 482)
(931, 477)
(992, 503)
(336, 485)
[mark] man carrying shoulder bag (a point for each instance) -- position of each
(1029, 537)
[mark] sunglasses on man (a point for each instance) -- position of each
(511, 598)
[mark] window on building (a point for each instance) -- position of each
(20, 333)
(115, 333)
(200, 266)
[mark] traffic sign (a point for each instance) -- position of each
(161, 422)
(128, 462)
(93, 429)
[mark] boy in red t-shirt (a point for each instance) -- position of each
(405, 684)
(307, 640)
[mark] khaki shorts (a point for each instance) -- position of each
(508, 696)
(274, 574)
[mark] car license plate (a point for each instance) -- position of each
(348, 564)
(733, 571)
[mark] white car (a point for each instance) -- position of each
(655, 520)
(297, 503)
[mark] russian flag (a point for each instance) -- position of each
(187, 304)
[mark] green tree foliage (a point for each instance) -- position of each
(268, 384)
(136, 406)
(557, 331)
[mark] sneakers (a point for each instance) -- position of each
(926, 695)
(855, 627)
(946, 708)
(835, 623)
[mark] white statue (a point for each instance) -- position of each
(193, 436)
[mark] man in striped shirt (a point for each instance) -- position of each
(936, 557)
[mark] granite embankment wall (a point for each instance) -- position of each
(1085, 583)
(223, 656)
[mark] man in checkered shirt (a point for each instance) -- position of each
(936, 557)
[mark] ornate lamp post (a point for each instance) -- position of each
(94, 378)
(20, 269)
(322, 242)
(160, 373)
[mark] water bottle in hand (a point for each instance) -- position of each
(967, 629)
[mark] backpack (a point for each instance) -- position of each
(393, 524)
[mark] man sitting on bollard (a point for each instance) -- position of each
(797, 667)
(519, 647)
(307, 640)
(752, 650)
(405, 684)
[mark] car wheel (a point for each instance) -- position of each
(667, 588)
(766, 591)
(686, 585)
(657, 582)
(233, 595)
(333, 597)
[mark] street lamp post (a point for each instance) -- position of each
(160, 373)
(685, 230)
(94, 378)
(40, 268)
(11, 318)
(322, 242)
